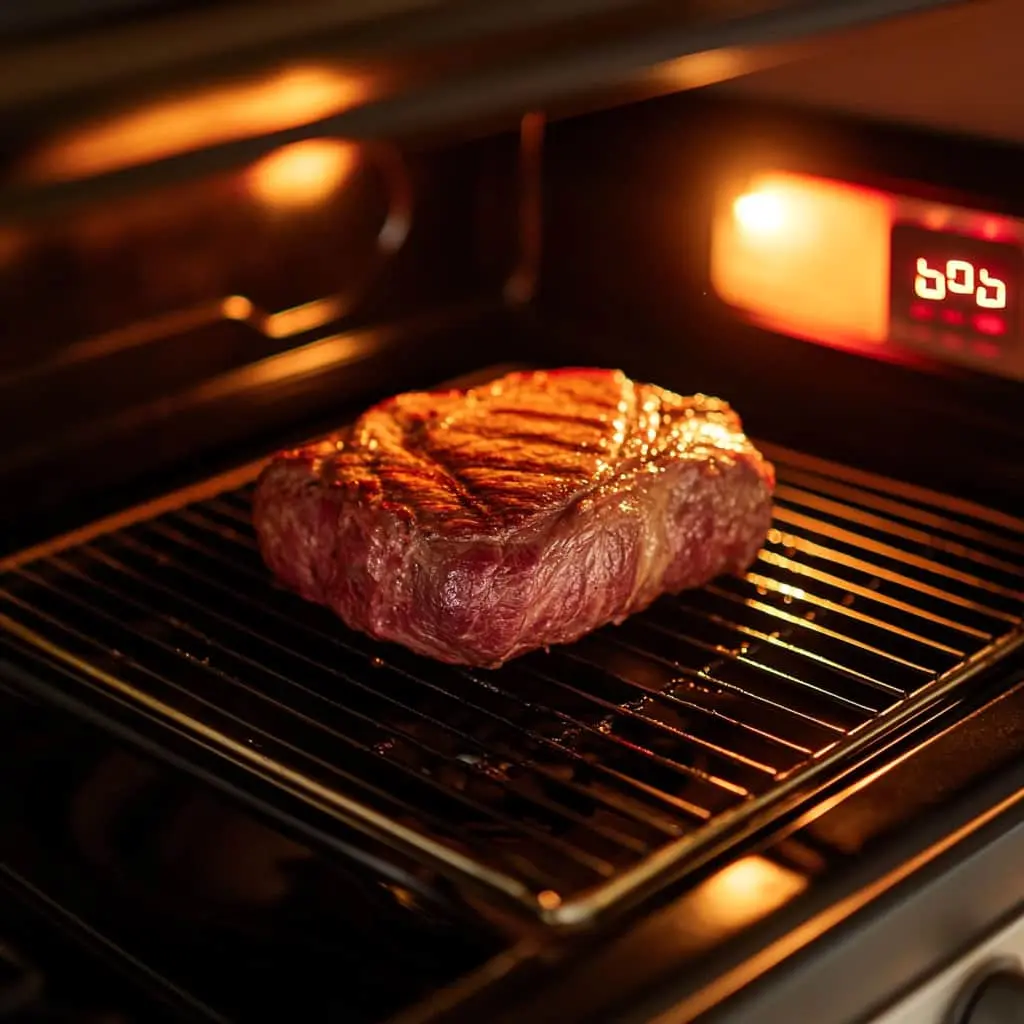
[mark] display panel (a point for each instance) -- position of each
(954, 290)
(892, 276)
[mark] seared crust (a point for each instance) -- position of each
(486, 462)
(474, 526)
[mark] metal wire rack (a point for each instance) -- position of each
(565, 779)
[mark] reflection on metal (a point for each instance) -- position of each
(817, 927)
(287, 99)
(302, 174)
(236, 307)
(143, 333)
(522, 282)
(697, 70)
(743, 892)
(306, 317)
(549, 899)
(300, 362)
(292, 364)
(285, 324)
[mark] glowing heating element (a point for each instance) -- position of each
(806, 256)
(873, 271)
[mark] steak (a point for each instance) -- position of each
(472, 526)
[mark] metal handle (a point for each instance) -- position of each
(997, 999)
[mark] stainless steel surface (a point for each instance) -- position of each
(997, 999)
(983, 986)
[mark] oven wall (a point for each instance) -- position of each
(627, 207)
(163, 335)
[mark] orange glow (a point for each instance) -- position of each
(761, 214)
(806, 256)
(308, 359)
(549, 900)
(696, 70)
(304, 173)
(744, 892)
(306, 317)
(236, 307)
(285, 100)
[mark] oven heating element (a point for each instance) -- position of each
(568, 781)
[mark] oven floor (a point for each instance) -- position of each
(566, 780)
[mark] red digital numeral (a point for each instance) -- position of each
(994, 299)
(958, 278)
(929, 284)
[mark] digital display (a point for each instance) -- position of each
(954, 291)
(891, 276)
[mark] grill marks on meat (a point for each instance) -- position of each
(483, 462)
(474, 526)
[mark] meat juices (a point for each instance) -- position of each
(473, 526)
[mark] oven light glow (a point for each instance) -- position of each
(743, 892)
(805, 256)
(304, 173)
(761, 213)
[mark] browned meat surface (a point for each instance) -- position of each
(472, 526)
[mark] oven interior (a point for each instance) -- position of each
(188, 740)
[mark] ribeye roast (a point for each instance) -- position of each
(472, 526)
